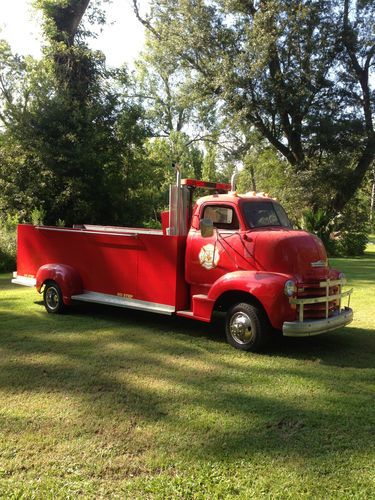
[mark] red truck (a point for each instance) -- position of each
(230, 252)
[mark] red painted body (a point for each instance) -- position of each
(139, 265)
(152, 266)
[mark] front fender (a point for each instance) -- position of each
(267, 288)
(65, 276)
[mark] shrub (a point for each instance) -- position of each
(344, 235)
(8, 243)
(37, 216)
(353, 228)
(351, 243)
(318, 223)
(152, 224)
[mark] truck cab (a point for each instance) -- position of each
(244, 257)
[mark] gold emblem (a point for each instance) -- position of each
(209, 256)
(125, 295)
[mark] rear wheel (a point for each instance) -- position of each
(53, 299)
(247, 327)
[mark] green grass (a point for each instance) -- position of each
(112, 403)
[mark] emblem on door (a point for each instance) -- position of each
(209, 256)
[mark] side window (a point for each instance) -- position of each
(221, 216)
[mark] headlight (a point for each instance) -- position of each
(289, 288)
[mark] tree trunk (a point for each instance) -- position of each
(67, 19)
(355, 179)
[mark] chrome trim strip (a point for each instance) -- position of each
(114, 300)
(319, 263)
(84, 231)
(121, 230)
(23, 280)
(316, 327)
(326, 298)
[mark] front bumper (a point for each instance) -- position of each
(315, 327)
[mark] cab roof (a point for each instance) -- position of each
(233, 197)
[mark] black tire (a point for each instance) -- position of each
(53, 299)
(247, 327)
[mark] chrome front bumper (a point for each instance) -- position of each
(315, 327)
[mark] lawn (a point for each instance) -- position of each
(113, 403)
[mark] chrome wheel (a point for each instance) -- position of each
(241, 328)
(247, 327)
(52, 298)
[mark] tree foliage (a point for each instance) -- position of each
(72, 144)
(297, 71)
(282, 88)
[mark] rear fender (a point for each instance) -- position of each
(267, 288)
(65, 276)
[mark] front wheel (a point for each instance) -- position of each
(247, 327)
(53, 299)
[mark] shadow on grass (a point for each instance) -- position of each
(210, 400)
(5, 282)
(348, 347)
(213, 331)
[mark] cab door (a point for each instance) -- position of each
(207, 259)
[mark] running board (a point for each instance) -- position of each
(23, 280)
(114, 300)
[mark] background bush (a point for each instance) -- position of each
(8, 241)
(351, 243)
(344, 236)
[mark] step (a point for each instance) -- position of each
(114, 300)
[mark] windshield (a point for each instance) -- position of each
(264, 213)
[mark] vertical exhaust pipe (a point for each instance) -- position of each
(233, 181)
(179, 199)
(176, 223)
(178, 175)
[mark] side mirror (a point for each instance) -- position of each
(207, 228)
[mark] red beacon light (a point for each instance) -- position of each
(195, 183)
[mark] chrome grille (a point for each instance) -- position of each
(318, 300)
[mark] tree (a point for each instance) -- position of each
(298, 71)
(63, 18)
(159, 90)
(79, 161)
(71, 142)
(175, 122)
(209, 166)
(162, 91)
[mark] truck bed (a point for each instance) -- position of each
(130, 263)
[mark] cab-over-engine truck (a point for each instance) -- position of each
(232, 252)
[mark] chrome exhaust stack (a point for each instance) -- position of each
(178, 206)
(233, 181)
